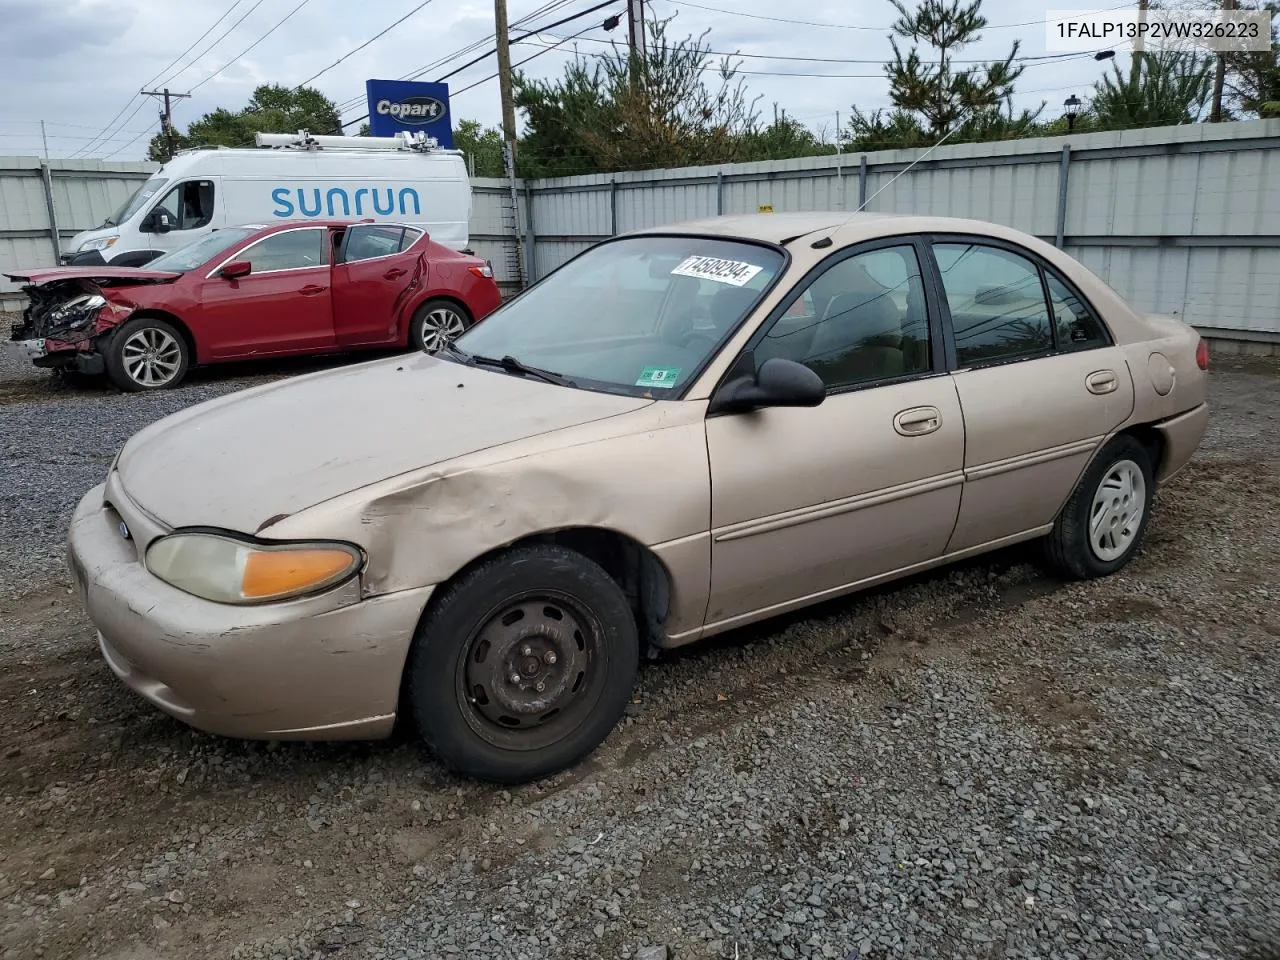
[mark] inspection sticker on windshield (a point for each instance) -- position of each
(734, 272)
(664, 378)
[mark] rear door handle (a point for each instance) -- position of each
(394, 274)
(312, 290)
(1102, 381)
(917, 421)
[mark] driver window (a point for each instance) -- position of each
(860, 321)
(189, 205)
(290, 250)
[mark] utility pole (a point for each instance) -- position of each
(635, 28)
(1220, 75)
(501, 35)
(1136, 63)
(166, 118)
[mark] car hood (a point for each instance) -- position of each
(103, 276)
(256, 456)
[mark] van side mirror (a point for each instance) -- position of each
(236, 269)
(156, 221)
(778, 383)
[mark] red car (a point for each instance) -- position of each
(253, 291)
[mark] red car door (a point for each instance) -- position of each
(282, 305)
(377, 266)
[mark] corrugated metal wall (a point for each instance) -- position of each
(1182, 220)
(84, 193)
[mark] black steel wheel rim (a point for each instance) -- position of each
(531, 671)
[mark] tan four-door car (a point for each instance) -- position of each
(678, 432)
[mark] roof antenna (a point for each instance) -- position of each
(825, 241)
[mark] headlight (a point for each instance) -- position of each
(227, 570)
(100, 244)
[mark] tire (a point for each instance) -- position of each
(1092, 538)
(146, 353)
(436, 323)
(537, 614)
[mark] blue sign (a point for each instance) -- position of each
(396, 105)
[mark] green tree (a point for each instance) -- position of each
(657, 110)
(935, 91)
(1168, 88)
(482, 147)
(271, 109)
(1253, 77)
(784, 138)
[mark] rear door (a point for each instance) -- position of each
(1040, 383)
(282, 306)
(377, 267)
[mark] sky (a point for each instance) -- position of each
(78, 64)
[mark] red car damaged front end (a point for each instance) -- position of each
(70, 309)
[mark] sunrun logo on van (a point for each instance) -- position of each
(340, 202)
(412, 111)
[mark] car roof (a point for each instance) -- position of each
(769, 227)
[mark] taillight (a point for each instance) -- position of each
(1202, 355)
(485, 272)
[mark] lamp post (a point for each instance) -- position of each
(1072, 106)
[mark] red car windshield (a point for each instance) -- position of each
(202, 250)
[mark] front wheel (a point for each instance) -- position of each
(436, 324)
(523, 666)
(146, 354)
(1102, 525)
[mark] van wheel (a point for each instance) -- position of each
(524, 666)
(1102, 525)
(146, 354)
(436, 324)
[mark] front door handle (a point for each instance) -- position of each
(394, 274)
(312, 290)
(1102, 381)
(917, 421)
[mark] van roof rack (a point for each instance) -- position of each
(304, 140)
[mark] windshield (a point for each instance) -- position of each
(202, 250)
(135, 202)
(637, 316)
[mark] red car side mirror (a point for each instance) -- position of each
(236, 269)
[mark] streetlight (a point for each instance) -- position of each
(1072, 105)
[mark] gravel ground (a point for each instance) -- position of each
(980, 762)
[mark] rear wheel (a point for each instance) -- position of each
(435, 324)
(1102, 525)
(146, 354)
(524, 666)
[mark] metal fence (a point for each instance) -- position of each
(1182, 220)
(43, 204)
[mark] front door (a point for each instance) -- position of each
(282, 306)
(371, 279)
(1040, 384)
(808, 502)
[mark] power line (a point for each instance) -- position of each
(225, 13)
(226, 33)
(848, 26)
(280, 23)
(546, 49)
(365, 44)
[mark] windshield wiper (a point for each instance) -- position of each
(513, 365)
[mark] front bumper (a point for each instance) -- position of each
(27, 350)
(320, 668)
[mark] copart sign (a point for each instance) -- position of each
(396, 105)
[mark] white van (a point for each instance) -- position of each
(403, 179)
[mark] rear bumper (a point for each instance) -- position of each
(1182, 435)
(321, 668)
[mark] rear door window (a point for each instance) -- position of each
(997, 303)
(370, 241)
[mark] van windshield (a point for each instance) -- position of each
(201, 251)
(135, 202)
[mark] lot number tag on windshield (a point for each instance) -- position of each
(733, 272)
(664, 378)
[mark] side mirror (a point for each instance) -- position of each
(156, 222)
(236, 269)
(778, 383)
